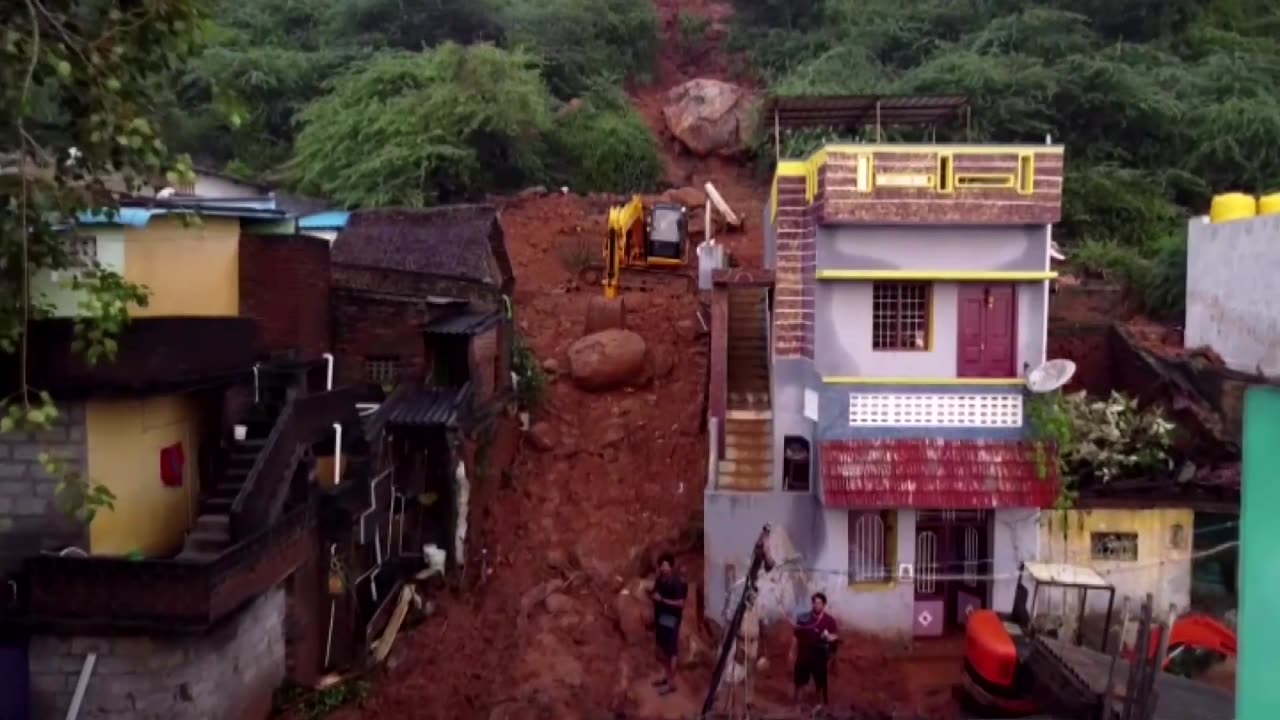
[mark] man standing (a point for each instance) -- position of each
(669, 591)
(815, 638)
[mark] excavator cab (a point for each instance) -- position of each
(668, 231)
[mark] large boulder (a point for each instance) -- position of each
(608, 359)
(709, 116)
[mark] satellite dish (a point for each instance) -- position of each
(1050, 376)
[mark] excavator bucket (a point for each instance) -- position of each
(605, 314)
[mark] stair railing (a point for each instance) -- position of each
(304, 421)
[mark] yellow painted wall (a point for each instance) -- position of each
(191, 269)
(1162, 568)
(124, 442)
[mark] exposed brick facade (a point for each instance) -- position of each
(366, 326)
(840, 201)
(284, 286)
(795, 271)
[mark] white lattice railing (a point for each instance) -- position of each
(935, 410)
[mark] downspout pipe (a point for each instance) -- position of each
(337, 454)
(328, 371)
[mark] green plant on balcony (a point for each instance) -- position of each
(78, 497)
(1098, 441)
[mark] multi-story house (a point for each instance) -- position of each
(867, 390)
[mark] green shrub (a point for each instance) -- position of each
(416, 128)
(604, 146)
(581, 40)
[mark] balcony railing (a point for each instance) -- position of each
(110, 593)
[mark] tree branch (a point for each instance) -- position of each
(25, 230)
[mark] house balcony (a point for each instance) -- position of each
(112, 594)
(942, 444)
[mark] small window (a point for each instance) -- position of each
(873, 545)
(1026, 173)
(382, 371)
(1114, 546)
(795, 464)
(900, 316)
(946, 173)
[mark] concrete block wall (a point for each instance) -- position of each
(30, 518)
(228, 674)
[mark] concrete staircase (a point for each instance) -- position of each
(212, 531)
(747, 462)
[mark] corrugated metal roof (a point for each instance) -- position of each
(853, 111)
(425, 406)
(468, 323)
(931, 473)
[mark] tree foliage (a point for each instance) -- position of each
(415, 128)
(1160, 103)
(81, 82)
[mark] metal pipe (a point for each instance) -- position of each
(337, 454)
(328, 371)
(82, 685)
(328, 643)
(256, 392)
(373, 499)
(713, 452)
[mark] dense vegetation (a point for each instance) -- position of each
(388, 102)
(1161, 103)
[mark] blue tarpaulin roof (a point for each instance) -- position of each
(328, 220)
(140, 216)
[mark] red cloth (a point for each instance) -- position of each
(172, 463)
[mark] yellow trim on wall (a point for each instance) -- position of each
(946, 175)
(984, 181)
(1026, 173)
(957, 381)
(956, 275)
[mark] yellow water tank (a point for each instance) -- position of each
(1269, 204)
(1232, 206)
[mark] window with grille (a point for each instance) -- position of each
(82, 251)
(873, 545)
(900, 316)
(382, 371)
(1113, 546)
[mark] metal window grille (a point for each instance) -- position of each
(382, 371)
(927, 562)
(900, 316)
(867, 559)
(972, 556)
(1114, 546)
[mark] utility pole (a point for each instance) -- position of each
(760, 560)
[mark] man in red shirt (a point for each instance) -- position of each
(815, 639)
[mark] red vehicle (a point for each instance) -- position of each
(996, 678)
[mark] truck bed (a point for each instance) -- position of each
(1077, 678)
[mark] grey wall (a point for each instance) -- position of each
(790, 378)
(219, 676)
(872, 247)
(842, 332)
(1231, 291)
(30, 520)
(732, 523)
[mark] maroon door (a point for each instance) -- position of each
(987, 330)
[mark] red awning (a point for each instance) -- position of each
(936, 474)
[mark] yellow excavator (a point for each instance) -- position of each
(645, 248)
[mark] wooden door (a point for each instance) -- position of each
(987, 329)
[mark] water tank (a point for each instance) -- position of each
(1232, 206)
(1269, 204)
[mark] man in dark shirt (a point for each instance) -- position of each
(669, 591)
(815, 638)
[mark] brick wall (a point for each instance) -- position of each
(796, 265)
(484, 368)
(284, 285)
(30, 519)
(228, 674)
(843, 202)
(365, 326)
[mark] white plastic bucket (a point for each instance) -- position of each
(240, 432)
